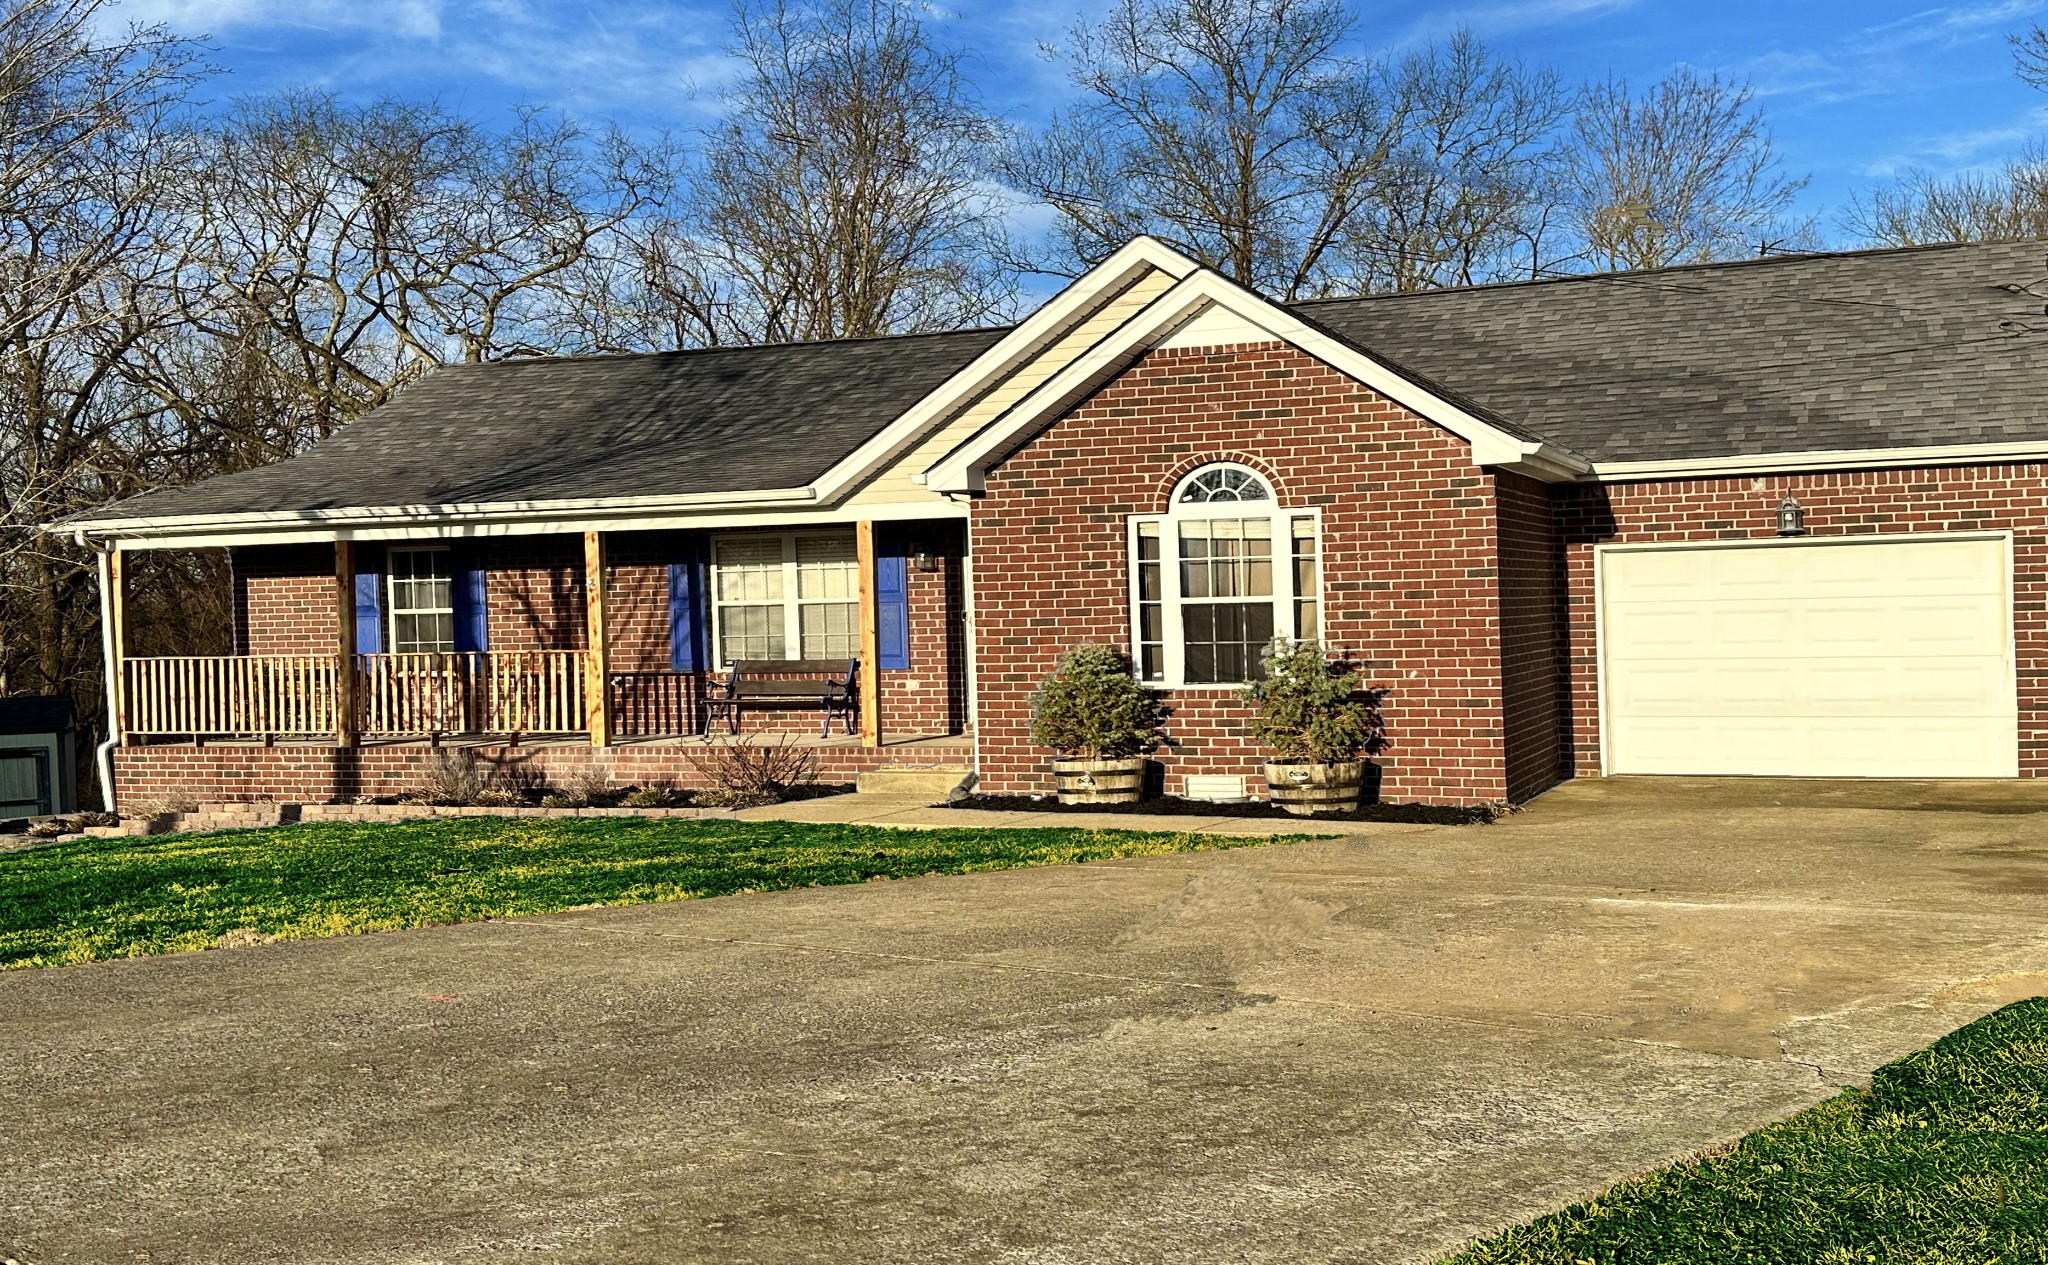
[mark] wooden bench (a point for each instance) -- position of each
(760, 683)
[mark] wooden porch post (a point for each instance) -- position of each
(115, 582)
(345, 731)
(870, 637)
(597, 676)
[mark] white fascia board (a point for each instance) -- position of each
(305, 531)
(1059, 314)
(2021, 451)
(964, 469)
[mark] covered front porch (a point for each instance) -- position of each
(608, 639)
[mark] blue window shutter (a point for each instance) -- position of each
(892, 606)
(369, 600)
(688, 622)
(466, 570)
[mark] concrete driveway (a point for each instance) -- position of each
(1368, 1049)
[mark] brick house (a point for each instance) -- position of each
(1781, 516)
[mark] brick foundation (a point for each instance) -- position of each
(238, 773)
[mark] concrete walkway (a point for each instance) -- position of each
(1364, 1049)
(912, 810)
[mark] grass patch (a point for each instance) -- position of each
(114, 898)
(1944, 1160)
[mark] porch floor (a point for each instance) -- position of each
(935, 743)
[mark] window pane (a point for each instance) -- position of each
(827, 629)
(1225, 639)
(826, 567)
(750, 632)
(748, 570)
(1305, 621)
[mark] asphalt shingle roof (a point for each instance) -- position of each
(719, 420)
(1872, 349)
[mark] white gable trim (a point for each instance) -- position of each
(1059, 314)
(2021, 452)
(965, 468)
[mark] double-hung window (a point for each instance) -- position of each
(422, 602)
(1218, 578)
(789, 596)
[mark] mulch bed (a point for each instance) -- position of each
(1174, 806)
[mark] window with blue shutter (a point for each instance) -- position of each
(688, 620)
(468, 599)
(892, 603)
(369, 600)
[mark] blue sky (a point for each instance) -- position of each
(1854, 91)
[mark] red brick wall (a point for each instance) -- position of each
(1408, 548)
(284, 599)
(1534, 699)
(325, 774)
(1969, 498)
(533, 592)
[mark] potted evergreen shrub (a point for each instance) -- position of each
(1103, 724)
(1318, 725)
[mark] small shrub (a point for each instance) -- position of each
(1092, 705)
(589, 787)
(98, 819)
(453, 778)
(657, 797)
(558, 801)
(161, 804)
(499, 797)
(743, 775)
(50, 829)
(1312, 708)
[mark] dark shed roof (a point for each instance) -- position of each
(36, 714)
(718, 420)
(1868, 349)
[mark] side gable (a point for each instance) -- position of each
(1203, 307)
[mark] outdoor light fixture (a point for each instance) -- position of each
(1791, 518)
(925, 561)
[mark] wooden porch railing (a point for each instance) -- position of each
(518, 691)
(494, 692)
(231, 694)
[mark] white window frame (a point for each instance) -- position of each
(1172, 643)
(792, 600)
(391, 611)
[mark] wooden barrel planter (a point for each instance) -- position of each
(1308, 789)
(1100, 781)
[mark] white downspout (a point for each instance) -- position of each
(105, 755)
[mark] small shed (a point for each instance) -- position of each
(38, 756)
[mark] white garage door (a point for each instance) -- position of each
(1812, 658)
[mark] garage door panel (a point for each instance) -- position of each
(1831, 659)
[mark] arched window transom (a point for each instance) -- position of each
(1220, 576)
(1222, 482)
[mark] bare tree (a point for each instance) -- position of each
(1470, 191)
(87, 146)
(1235, 130)
(342, 250)
(845, 194)
(2009, 204)
(1685, 172)
(2006, 204)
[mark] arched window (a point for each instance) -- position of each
(1219, 577)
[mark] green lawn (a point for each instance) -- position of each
(1943, 1161)
(92, 899)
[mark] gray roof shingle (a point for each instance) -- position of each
(1870, 349)
(718, 420)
